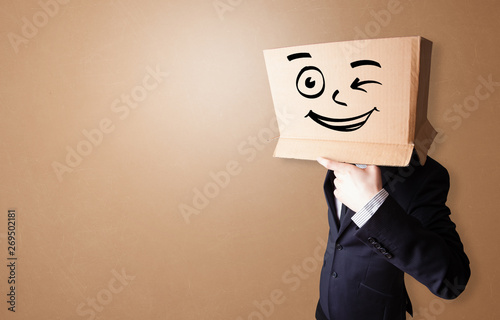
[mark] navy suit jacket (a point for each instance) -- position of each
(363, 271)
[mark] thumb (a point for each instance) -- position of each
(372, 169)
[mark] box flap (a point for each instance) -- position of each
(366, 153)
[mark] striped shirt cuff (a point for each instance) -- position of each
(363, 215)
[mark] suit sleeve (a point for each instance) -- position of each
(422, 242)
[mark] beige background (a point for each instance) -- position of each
(208, 111)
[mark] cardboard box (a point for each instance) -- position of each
(361, 101)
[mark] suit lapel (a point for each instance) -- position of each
(328, 187)
(388, 174)
(346, 220)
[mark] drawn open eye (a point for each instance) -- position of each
(310, 82)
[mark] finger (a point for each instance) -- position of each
(337, 182)
(324, 162)
(336, 194)
(332, 164)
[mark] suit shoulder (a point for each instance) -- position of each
(431, 166)
(434, 175)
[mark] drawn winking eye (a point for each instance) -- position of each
(356, 84)
(310, 82)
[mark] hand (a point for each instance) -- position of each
(354, 187)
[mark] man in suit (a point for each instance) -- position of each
(393, 221)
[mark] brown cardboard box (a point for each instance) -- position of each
(359, 101)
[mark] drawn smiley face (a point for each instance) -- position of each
(310, 83)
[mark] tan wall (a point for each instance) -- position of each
(200, 107)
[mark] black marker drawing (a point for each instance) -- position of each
(355, 85)
(310, 83)
(354, 125)
(365, 63)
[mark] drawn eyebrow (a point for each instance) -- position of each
(298, 56)
(365, 63)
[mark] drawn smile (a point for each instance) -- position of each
(345, 124)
